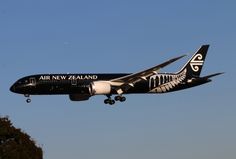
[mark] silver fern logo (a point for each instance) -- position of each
(162, 83)
(196, 62)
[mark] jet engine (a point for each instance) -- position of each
(100, 88)
(78, 97)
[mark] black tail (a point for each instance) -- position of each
(194, 66)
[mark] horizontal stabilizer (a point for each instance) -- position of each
(212, 75)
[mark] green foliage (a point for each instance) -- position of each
(15, 144)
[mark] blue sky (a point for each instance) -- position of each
(61, 36)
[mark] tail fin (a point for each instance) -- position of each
(194, 66)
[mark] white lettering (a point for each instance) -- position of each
(44, 78)
(63, 77)
(69, 77)
(55, 78)
(82, 77)
(58, 77)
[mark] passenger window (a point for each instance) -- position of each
(74, 82)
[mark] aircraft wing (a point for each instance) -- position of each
(129, 80)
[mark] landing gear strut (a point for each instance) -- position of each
(28, 100)
(109, 100)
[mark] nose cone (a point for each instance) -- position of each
(13, 88)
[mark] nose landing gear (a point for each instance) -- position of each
(28, 100)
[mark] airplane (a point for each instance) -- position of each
(81, 87)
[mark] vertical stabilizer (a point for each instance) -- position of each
(194, 66)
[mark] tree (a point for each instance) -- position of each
(15, 144)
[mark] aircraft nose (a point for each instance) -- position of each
(13, 88)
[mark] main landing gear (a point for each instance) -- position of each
(110, 101)
(28, 100)
(120, 98)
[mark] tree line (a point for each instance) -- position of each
(16, 144)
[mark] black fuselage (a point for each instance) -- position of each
(46, 84)
(65, 83)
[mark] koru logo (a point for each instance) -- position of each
(196, 62)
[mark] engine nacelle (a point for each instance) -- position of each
(100, 88)
(79, 97)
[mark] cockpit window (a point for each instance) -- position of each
(32, 81)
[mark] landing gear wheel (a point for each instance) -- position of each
(106, 101)
(111, 102)
(120, 98)
(28, 100)
(123, 99)
(117, 98)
